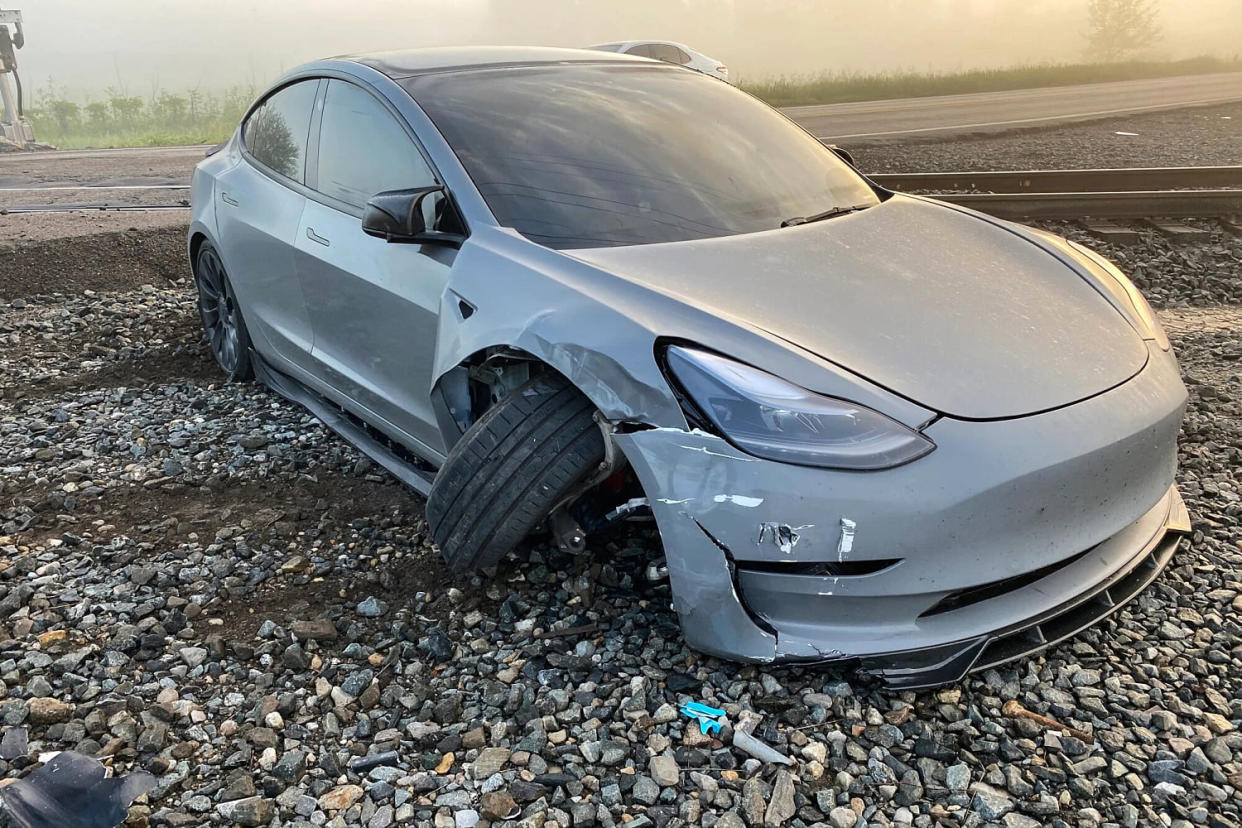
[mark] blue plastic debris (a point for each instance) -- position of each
(707, 717)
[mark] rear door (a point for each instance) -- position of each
(258, 211)
(373, 305)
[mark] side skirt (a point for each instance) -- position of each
(412, 473)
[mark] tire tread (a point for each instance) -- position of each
(510, 468)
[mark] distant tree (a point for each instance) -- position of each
(126, 109)
(65, 113)
(97, 112)
(1117, 29)
(169, 110)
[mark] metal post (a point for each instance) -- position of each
(10, 108)
(13, 126)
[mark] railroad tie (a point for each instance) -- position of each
(1177, 231)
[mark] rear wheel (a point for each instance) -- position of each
(510, 469)
(221, 315)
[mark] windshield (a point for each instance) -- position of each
(576, 156)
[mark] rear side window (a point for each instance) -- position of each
(668, 54)
(363, 150)
(276, 132)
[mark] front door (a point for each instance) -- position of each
(373, 304)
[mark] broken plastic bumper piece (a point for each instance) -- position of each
(709, 718)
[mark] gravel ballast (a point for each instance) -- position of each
(200, 581)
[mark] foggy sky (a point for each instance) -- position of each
(138, 45)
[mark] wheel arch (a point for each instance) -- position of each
(199, 234)
(195, 243)
(616, 394)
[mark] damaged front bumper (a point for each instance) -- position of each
(909, 669)
(1011, 536)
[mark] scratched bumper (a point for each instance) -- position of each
(1006, 526)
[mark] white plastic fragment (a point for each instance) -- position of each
(758, 749)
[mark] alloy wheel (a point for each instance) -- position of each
(217, 305)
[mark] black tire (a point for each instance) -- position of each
(221, 314)
(517, 462)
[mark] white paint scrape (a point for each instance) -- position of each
(740, 500)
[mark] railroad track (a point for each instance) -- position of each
(1157, 192)
(1068, 181)
(1145, 192)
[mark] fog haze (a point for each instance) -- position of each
(85, 46)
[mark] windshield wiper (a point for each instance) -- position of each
(827, 214)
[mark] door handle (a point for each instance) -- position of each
(228, 199)
(315, 237)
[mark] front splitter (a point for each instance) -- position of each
(931, 667)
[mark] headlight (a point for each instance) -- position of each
(1143, 315)
(768, 417)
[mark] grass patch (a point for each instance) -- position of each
(120, 120)
(829, 88)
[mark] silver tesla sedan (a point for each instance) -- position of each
(566, 290)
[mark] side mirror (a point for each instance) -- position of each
(843, 154)
(399, 216)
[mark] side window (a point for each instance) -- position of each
(666, 53)
(275, 133)
(682, 57)
(641, 50)
(363, 150)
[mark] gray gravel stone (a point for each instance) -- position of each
(991, 805)
(254, 811)
(664, 771)
(842, 817)
(645, 790)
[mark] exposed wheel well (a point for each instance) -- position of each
(472, 387)
(484, 378)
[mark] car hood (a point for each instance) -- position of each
(940, 306)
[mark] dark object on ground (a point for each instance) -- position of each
(71, 791)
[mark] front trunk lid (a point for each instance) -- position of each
(945, 308)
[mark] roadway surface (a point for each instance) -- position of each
(984, 112)
(882, 121)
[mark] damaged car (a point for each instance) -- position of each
(561, 289)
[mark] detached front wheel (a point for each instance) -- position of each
(221, 315)
(507, 472)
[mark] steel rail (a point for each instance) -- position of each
(1115, 205)
(988, 181)
(1066, 181)
(1032, 194)
(62, 187)
(90, 208)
